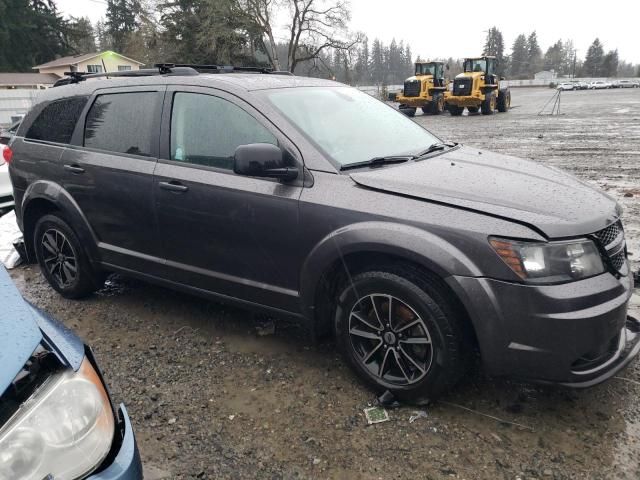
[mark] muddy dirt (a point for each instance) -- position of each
(210, 397)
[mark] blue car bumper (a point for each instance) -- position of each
(126, 465)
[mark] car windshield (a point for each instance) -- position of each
(425, 69)
(347, 125)
(475, 65)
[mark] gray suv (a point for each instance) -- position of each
(309, 199)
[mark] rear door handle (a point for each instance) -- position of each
(74, 169)
(173, 186)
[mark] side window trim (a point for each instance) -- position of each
(165, 133)
(77, 139)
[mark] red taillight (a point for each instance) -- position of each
(7, 154)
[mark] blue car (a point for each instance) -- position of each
(56, 417)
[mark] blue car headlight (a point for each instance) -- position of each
(64, 430)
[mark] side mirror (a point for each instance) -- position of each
(262, 160)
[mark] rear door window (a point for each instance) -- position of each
(56, 121)
(206, 130)
(123, 123)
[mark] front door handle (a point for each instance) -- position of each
(74, 169)
(173, 186)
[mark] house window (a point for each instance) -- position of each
(94, 68)
(123, 68)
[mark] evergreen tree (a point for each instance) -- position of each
(593, 61)
(31, 32)
(610, 64)
(122, 19)
(534, 55)
(377, 62)
(408, 62)
(554, 58)
(82, 37)
(494, 46)
(519, 57)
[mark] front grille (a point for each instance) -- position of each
(462, 86)
(412, 88)
(613, 242)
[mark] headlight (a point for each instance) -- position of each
(64, 430)
(550, 262)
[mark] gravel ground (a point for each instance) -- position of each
(212, 398)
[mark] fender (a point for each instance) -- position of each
(58, 196)
(410, 243)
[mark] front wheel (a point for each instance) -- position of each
(488, 106)
(399, 333)
(62, 259)
(455, 111)
(408, 111)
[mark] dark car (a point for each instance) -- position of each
(309, 199)
(56, 417)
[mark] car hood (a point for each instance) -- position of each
(19, 331)
(550, 201)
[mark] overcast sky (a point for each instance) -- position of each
(452, 28)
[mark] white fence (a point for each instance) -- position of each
(15, 103)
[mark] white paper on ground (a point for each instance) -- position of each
(9, 234)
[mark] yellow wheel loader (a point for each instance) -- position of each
(426, 90)
(478, 88)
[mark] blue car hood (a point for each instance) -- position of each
(19, 332)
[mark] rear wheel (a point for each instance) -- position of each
(455, 110)
(399, 333)
(504, 100)
(488, 106)
(62, 260)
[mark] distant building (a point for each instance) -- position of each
(546, 75)
(90, 63)
(19, 90)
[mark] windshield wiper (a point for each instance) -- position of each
(435, 147)
(379, 161)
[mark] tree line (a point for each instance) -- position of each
(527, 58)
(315, 41)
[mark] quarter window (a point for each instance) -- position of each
(123, 123)
(57, 120)
(206, 130)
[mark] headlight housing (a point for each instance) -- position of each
(64, 430)
(550, 262)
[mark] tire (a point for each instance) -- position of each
(427, 109)
(455, 111)
(504, 100)
(59, 253)
(473, 109)
(488, 106)
(416, 363)
(408, 111)
(437, 104)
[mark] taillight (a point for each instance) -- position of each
(7, 154)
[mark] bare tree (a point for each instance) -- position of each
(317, 25)
(261, 13)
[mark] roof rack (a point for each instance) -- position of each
(77, 77)
(177, 69)
(221, 68)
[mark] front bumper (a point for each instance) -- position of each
(576, 334)
(126, 464)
